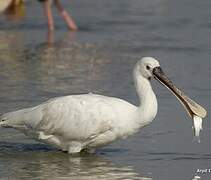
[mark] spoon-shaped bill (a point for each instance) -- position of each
(191, 106)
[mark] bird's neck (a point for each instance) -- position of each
(147, 109)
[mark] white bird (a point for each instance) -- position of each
(84, 122)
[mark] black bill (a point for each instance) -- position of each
(191, 106)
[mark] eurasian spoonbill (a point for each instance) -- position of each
(87, 121)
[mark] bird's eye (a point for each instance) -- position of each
(148, 67)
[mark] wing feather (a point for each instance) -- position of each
(76, 117)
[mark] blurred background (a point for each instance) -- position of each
(37, 64)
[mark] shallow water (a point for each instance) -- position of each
(36, 65)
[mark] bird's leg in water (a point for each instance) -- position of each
(68, 19)
(74, 147)
(87, 151)
(48, 12)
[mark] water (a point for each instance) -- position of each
(36, 65)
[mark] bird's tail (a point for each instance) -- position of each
(21, 118)
(12, 119)
(3, 121)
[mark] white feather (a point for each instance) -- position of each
(87, 121)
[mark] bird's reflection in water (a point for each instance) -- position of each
(196, 177)
(35, 161)
(69, 65)
(35, 72)
(51, 38)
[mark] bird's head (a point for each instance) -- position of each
(149, 67)
(145, 67)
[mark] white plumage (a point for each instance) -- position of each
(76, 122)
(86, 121)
